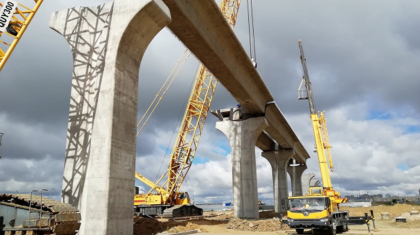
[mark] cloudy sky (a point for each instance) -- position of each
(363, 59)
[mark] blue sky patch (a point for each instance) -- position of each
(224, 145)
(163, 147)
(403, 167)
(380, 115)
(200, 160)
(412, 129)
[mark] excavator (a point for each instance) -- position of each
(166, 200)
(320, 209)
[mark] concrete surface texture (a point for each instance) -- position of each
(306, 182)
(242, 137)
(108, 42)
(278, 161)
(202, 28)
(89, 53)
(295, 173)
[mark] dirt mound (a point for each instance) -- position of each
(266, 225)
(269, 214)
(188, 227)
(225, 216)
(146, 226)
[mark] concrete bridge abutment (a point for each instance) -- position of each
(108, 43)
(278, 160)
(242, 135)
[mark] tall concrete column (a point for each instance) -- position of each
(242, 137)
(295, 173)
(108, 43)
(278, 161)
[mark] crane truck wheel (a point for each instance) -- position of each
(299, 230)
(332, 230)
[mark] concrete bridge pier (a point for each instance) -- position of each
(295, 173)
(278, 160)
(242, 135)
(107, 42)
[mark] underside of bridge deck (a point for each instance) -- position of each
(203, 29)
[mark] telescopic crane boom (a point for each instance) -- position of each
(319, 209)
(317, 122)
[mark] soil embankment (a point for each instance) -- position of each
(269, 223)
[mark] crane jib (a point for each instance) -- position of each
(6, 14)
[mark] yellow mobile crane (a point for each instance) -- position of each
(320, 209)
(167, 200)
(14, 19)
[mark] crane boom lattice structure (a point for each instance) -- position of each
(196, 113)
(191, 127)
(20, 20)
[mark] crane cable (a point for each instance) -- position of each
(175, 129)
(177, 67)
(251, 33)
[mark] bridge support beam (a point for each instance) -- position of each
(108, 43)
(295, 173)
(242, 135)
(278, 160)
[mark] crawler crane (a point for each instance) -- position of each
(167, 200)
(320, 209)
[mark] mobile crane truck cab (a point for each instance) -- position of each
(316, 212)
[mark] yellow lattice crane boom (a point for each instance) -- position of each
(196, 113)
(190, 130)
(14, 19)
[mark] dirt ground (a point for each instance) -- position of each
(269, 223)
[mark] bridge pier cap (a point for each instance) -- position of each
(107, 42)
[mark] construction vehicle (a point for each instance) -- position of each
(30, 214)
(155, 204)
(320, 209)
(14, 19)
(166, 199)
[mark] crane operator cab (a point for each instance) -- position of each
(315, 191)
(183, 198)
